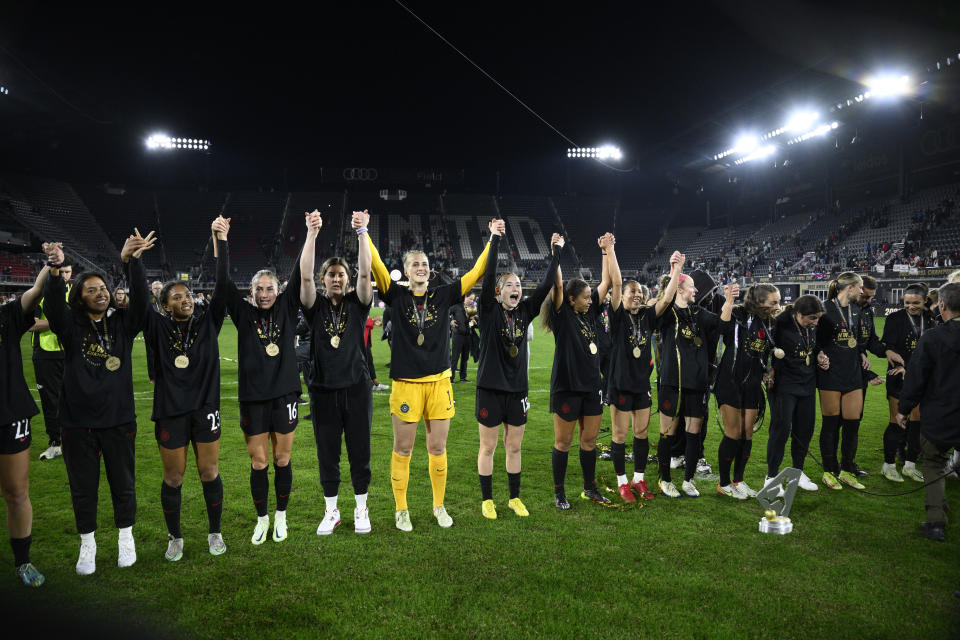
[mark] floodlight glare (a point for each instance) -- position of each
(801, 120)
(745, 143)
(888, 85)
(606, 152)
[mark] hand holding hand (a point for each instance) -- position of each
(557, 239)
(494, 227)
(865, 362)
(823, 361)
(360, 220)
(901, 420)
(314, 222)
(731, 291)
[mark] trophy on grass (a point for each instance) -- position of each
(776, 511)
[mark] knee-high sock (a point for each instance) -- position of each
(259, 487)
(486, 487)
(619, 452)
(399, 478)
(588, 464)
(438, 477)
(913, 441)
(726, 453)
(559, 463)
(513, 479)
(170, 501)
(848, 446)
(829, 432)
(641, 451)
(743, 455)
(891, 442)
(21, 550)
(213, 496)
(282, 484)
(691, 456)
(663, 455)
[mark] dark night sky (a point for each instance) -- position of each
(367, 85)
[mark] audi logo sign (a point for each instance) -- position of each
(368, 175)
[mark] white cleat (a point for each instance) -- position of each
(279, 526)
(51, 452)
(443, 518)
(174, 548)
(260, 531)
(217, 546)
(689, 489)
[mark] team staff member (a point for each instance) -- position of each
(96, 404)
(269, 382)
(48, 371)
(341, 397)
(186, 399)
(460, 332)
(931, 383)
(901, 333)
(502, 381)
(574, 318)
(16, 409)
(631, 324)
(155, 288)
(792, 396)
(420, 368)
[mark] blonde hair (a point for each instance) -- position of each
(263, 272)
(408, 256)
(844, 280)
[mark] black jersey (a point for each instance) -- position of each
(838, 336)
(262, 376)
(684, 363)
(343, 365)
(16, 403)
(182, 389)
(796, 372)
(902, 332)
(630, 338)
(94, 395)
(868, 334)
(747, 343)
(503, 332)
(576, 358)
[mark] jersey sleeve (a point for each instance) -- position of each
(470, 277)
(380, 274)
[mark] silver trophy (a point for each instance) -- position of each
(776, 511)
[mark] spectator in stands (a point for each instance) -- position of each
(120, 298)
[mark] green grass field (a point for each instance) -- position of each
(854, 567)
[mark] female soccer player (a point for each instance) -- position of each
(186, 398)
(841, 397)
(341, 397)
(901, 333)
(269, 382)
(16, 409)
(748, 340)
(574, 319)
(631, 326)
(96, 403)
(792, 395)
(502, 382)
(420, 368)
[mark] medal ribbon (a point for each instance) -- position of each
(104, 340)
(510, 321)
(338, 328)
(185, 337)
(269, 334)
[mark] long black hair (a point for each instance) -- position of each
(75, 302)
(571, 288)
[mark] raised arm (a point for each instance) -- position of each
(221, 291)
(470, 277)
(55, 305)
(32, 296)
(488, 293)
(308, 288)
(543, 289)
(670, 292)
(731, 291)
(133, 248)
(380, 274)
(611, 269)
(558, 288)
(364, 257)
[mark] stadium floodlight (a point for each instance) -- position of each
(5, 91)
(745, 143)
(604, 152)
(758, 154)
(801, 121)
(158, 141)
(888, 85)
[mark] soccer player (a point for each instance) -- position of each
(186, 399)
(502, 381)
(96, 404)
(420, 369)
(869, 342)
(631, 324)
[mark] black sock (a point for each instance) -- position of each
(559, 460)
(514, 480)
(829, 430)
(21, 550)
(891, 441)
(588, 464)
(641, 451)
(692, 455)
(726, 452)
(619, 451)
(259, 487)
(213, 496)
(913, 441)
(848, 447)
(170, 501)
(486, 487)
(663, 455)
(283, 482)
(740, 464)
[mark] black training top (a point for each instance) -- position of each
(684, 363)
(747, 343)
(16, 403)
(500, 329)
(834, 331)
(92, 396)
(796, 373)
(629, 332)
(931, 383)
(177, 390)
(901, 332)
(868, 333)
(576, 367)
(344, 365)
(262, 376)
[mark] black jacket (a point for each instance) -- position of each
(933, 382)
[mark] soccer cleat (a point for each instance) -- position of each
(260, 531)
(51, 452)
(889, 471)
(361, 520)
(806, 483)
(216, 544)
(831, 481)
(745, 489)
(126, 552)
(703, 467)
(640, 488)
(518, 507)
(381, 387)
(87, 562)
(174, 548)
(678, 462)
(933, 531)
(403, 520)
(280, 525)
(560, 500)
(857, 471)
(731, 490)
(331, 520)
(780, 491)
(488, 509)
(594, 496)
(667, 489)
(847, 478)
(690, 489)
(626, 493)
(910, 471)
(443, 518)
(29, 575)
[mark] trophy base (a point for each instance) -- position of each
(778, 525)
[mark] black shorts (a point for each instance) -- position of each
(570, 405)
(693, 402)
(15, 437)
(630, 401)
(498, 407)
(202, 425)
(278, 415)
(747, 396)
(894, 386)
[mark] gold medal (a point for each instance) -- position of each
(113, 363)
(697, 341)
(593, 348)
(272, 349)
(778, 353)
(807, 360)
(420, 339)
(181, 362)
(335, 342)
(514, 351)
(636, 352)
(852, 343)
